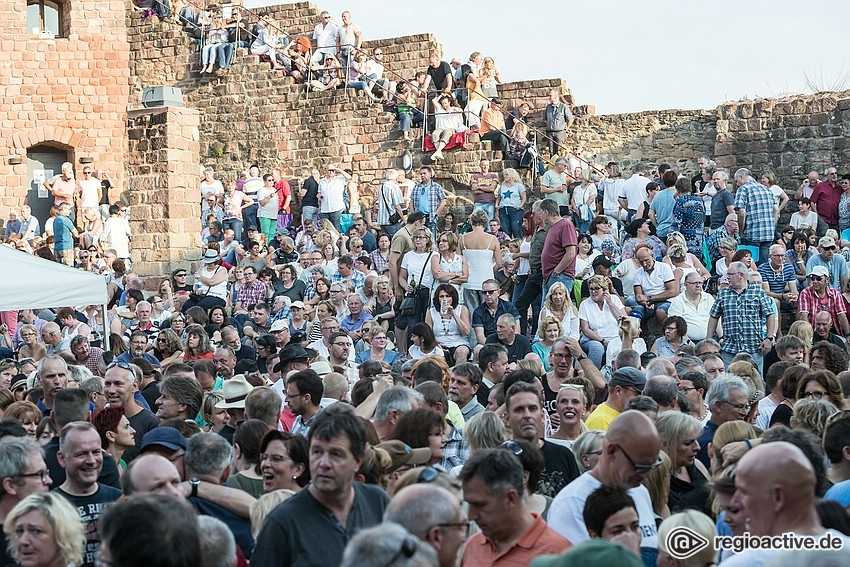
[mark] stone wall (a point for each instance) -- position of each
(790, 136)
(162, 172)
(69, 93)
(677, 137)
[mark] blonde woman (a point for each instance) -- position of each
(598, 318)
(381, 304)
(810, 414)
(584, 202)
(803, 331)
(449, 267)
(571, 405)
(558, 305)
(679, 432)
(44, 529)
(481, 251)
(548, 332)
(629, 334)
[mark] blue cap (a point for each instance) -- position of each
(167, 437)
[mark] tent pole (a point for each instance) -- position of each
(105, 327)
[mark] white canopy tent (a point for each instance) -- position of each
(28, 282)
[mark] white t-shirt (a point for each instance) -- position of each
(654, 283)
(269, 210)
(602, 320)
(810, 220)
(214, 188)
(766, 409)
(413, 262)
(325, 37)
(634, 190)
(566, 515)
(331, 191)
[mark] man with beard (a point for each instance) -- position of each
(81, 456)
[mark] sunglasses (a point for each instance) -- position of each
(640, 468)
(816, 278)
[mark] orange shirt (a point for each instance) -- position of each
(491, 120)
(538, 540)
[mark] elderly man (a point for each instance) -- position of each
(325, 38)
(757, 212)
(729, 229)
(511, 534)
(781, 279)
(825, 198)
(727, 400)
(81, 456)
(225, 362)
(483, 185)
(654, 284)
(553, 185)
(807, 187)
(53, 339)
(144, 323)
(230, 338)
(151, 473)
(835, 264)
(356, 316)
(693, 306)
(392, 403)
(775, 487)
(744, 309)
(23, 473)
(823, 327)
(558, 119)
(524, 410)
(819, 298)
(434, 515)
(333, 504)
(119, 388)
(208, 458)
(630, 451)
(722, 203)
(506, 335)
(625, 384)
(463, 386)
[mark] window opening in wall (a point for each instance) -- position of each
(45, 18)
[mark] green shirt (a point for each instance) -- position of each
(554, 179)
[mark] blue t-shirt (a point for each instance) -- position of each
(839, 492)
(62, 238)
(663, 204)
(511, 196)
(719, 211)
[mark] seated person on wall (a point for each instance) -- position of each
(406, 109)
(493, 126)
(296, 52)
(328, 75)
(268, 43)
(357, 76)
(448, 121)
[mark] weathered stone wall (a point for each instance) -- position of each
(69, 92)
(162, 172)
(677, 137)
(790, 136)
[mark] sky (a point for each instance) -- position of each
(631, 56)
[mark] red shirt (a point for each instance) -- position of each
(561, 235)
(283, 191)
(826, 197)
(538, 540)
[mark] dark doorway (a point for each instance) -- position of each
(43, 162)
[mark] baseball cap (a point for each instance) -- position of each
(628, 377)
(819, 271)
(602, 260)
(279, 325)
(403, 454)
(826, 242)
(167, 437)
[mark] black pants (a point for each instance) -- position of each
(531, 296)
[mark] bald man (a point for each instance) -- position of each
(775, 489)
(629, 452)
(151, 473)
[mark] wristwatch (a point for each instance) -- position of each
(194, 483)
(581, 357)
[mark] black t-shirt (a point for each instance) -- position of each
(90, 509)
(560, 469)
(550, 398)
(108, 475)
(242, 32)
(516, 351)
(311, 197)
(105, 186)
(151, 394)
(288, 537)
(438, 76)
(142, 422)
(239, 527)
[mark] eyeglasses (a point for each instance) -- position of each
(183, 275)
(815, 395)
(513, 447)
(742, 408)
(43, 474)
(289, 396)
(700, 282)
(685, 389)
(828, 247)
(640, 468)
(465, 525)
(419, 237)
(407, 550)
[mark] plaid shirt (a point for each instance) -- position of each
(435, 196)
(744, 315)
(713, 243)
(378, 263)
(357, 278)
(456, 451)
(253, 294)
(811, 304)
(758, 202)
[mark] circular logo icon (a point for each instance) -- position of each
(683, 543)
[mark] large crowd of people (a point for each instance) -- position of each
(356, 373)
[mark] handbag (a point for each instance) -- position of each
(408, 304)
(395, 218)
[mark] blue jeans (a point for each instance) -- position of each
(489, 208)
(564, 279)
(511, 219)
(758, 357)
(249, 216)
(391, 229)
(412, 118)
(309, 214)
(335, 217)
(236, 225)
(595, 351)
(529, 296)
